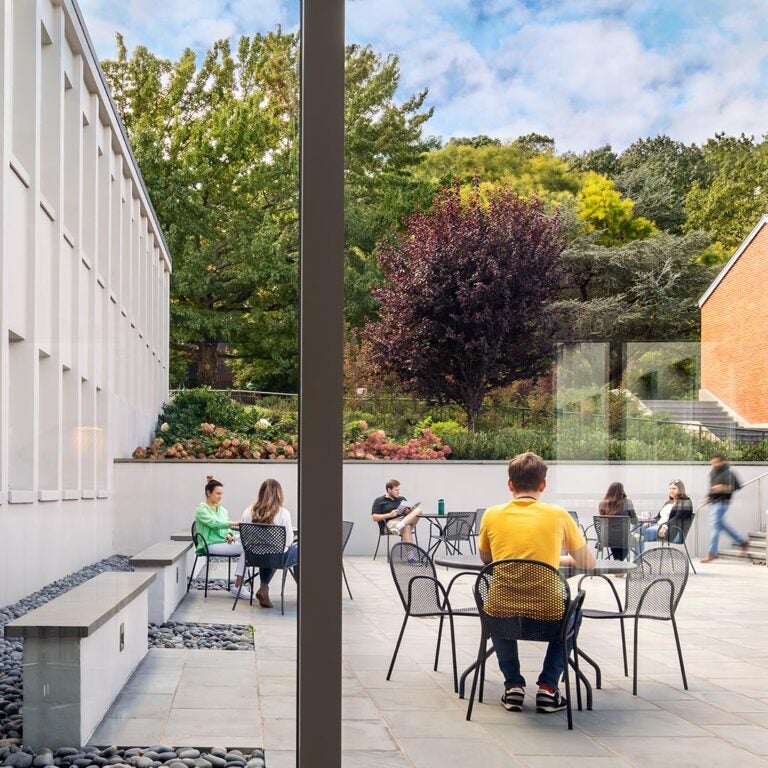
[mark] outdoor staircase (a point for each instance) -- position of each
(708, 413)
(755, 553)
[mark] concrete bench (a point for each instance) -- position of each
(79, 650)
(169, 561)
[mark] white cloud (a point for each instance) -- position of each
(586, 72)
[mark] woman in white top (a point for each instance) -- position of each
(268, 508)
(677, 509)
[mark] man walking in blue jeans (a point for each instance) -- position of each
(723, 483)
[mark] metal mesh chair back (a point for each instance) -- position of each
(678, 530)
(575, 517)
(420, 597)
(658, 581)
(479, 512)
(522, 600)
(198, 540)
(346, 530)
(458, 526)
(263, 544)
(612, 531)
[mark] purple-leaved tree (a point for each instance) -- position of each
(465, 303)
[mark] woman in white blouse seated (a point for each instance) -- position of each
(268, 508)
(677, 509)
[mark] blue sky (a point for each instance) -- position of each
(587, 72)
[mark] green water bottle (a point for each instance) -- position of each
(441, 506)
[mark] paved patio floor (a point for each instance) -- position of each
(244, 699)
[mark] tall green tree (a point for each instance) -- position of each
(735, 195)
(218, 147)
(657, 174)
(645, 290)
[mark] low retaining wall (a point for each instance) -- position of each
(154, 499)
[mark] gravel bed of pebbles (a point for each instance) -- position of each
(213, 584)
(134, 757)
(226, 637)
(169, 635)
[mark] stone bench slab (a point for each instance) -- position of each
(82, 610)
(79, 650)
(162, 553)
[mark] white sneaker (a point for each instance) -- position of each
(245, 593)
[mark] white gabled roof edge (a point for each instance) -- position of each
(743, 247)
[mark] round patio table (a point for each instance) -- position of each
(472, 562)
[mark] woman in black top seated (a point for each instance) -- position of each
(615, 502)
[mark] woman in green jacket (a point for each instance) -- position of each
(213, 524)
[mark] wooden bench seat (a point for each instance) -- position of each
(79, 650)
(170, 561)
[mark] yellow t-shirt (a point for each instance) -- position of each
(527, 530)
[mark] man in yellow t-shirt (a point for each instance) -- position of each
(528, 529)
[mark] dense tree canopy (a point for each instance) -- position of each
(735, 195)
(217, 145)
(217, 142)
(465, 301)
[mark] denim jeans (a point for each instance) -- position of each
(719, 508)
(290, 558)
(509, 661)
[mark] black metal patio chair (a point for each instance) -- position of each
(652, 591)
(677, 533)
(526, 600)
(198, 540)
(422, 595)
(264, 547)
(346, 530)
(457, 528)
(612, 532)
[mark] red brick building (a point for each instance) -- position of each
(734, 332)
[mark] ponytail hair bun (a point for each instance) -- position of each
(211, 485)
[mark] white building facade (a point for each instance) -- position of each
(84, 290)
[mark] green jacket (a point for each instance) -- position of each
(212, 525)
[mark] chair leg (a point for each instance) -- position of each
(634, 656)
(453, 654)
(481, 689)
(237, 596)
(229, 573)
(397, 646)
(376, 551)
(594, 665)
(192, 575)
(344, 574)
(478, 667)
(439, 638)
(679, 653)
(576, 674)
(207, 565)
(624, 648)
(567, 678)
(685, 546)
(282, 593)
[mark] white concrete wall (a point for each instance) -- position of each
(155, 499)
(84, 276)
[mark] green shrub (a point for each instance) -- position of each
(189, 408)
(499, 445)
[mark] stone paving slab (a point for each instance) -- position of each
(416, 720)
